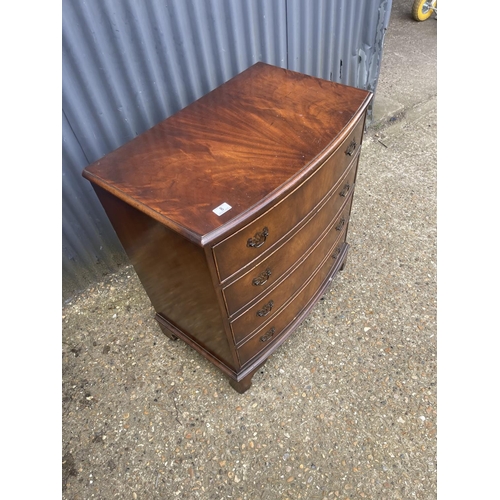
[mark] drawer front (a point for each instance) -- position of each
(266, 336)
(272, 268)
(256, 238)
(244, 325)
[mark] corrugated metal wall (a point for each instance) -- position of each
(128, 65)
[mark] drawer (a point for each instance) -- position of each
(268, 334)
(244, 325)
(273, 267)
(260, 235)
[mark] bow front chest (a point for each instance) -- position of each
(234, 211)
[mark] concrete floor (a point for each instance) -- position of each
(346, 408)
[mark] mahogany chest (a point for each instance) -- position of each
(234, 211)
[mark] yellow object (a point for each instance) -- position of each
(423, 9)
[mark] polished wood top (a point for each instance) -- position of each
(246, 143)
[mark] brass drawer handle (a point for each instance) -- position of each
(352, 147)
(345, 190)
(341, 224)
(259, 239)
(262, 278)
(268, 335)
(336, 253)
(266, 309)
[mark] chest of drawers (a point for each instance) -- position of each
(234, 211)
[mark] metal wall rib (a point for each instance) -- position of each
(339, 40)
(128, 65)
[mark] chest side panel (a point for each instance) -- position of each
(174, 273)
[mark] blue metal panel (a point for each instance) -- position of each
(339, 40)
(90, 245)
(128, 65)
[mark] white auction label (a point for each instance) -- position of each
(222, 209)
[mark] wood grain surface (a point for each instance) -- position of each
(243, 144)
